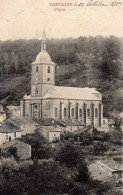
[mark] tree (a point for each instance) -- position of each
(100, 148)
(52, 177)
(39, 146)
(7, 65)
(69, 155)
(44, 177)
(14, 61)
(83, 172)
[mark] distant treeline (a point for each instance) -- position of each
(16, 56)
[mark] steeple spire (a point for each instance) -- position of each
(43, 41)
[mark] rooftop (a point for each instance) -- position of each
(58, 122)
(71, 93)
(48, 128)
(68, 122)
(8, 127)
(83, 129)
(43, 57)
(11, 107)
(48, 122)
(3, 108)
(112, 164)
(9, 144)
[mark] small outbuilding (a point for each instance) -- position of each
(71, 125)
(8, 132)
(52, 134)
(14, 111)
(105, 170)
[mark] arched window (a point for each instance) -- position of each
(88, 112)
(48, 79)
(96, 113)
(36, 91)
(48, 69)
(56, 112)
(37, 69)
(65, 112)
(72, 112)
(80, 112)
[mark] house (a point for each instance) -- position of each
(3, 113)
(26, 124)
(61, 103)
(14, 111)
(105, 170)
(16, 148)
(64, 125)
(71, 125)
(8, 132)
(85, 129)
(52, 134)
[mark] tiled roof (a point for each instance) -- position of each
(9, 144)
(54, 122)
(8, 127)
(83, 129)
(49, 129)
(69, 122)
(112, 164)
(73, 93)
(25, 120)
(49, 122)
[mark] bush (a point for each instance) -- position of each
(83, 172)
(100, 148)
(68, 154)
(39, 146)
(106, 137)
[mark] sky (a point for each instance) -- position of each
(26, 19)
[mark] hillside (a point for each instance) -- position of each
(13, 88)
(82, 62)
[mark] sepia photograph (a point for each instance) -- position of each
(61, 102)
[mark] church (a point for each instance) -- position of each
(62, 103)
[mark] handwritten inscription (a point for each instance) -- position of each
(91, 3)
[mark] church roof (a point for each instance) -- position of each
(43, 57)
(72, 93)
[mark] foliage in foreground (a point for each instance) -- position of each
(65, 172)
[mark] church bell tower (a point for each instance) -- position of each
(43, 72)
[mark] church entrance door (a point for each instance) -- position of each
(36, 111)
